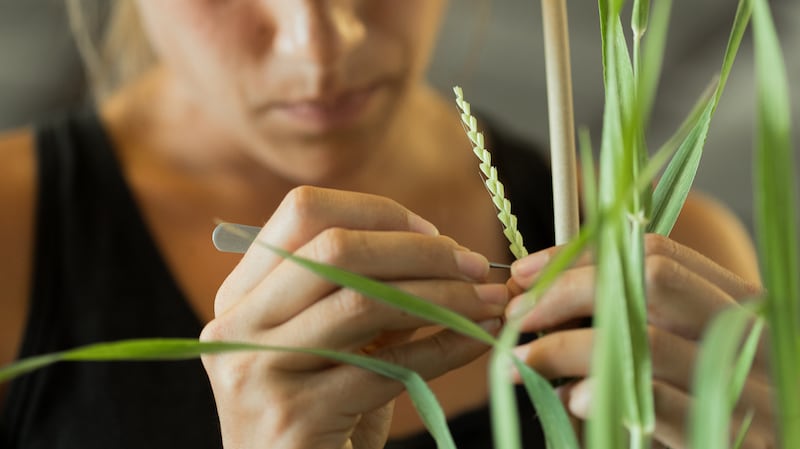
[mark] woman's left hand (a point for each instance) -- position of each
(685, 290)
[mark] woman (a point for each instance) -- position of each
(247, 105)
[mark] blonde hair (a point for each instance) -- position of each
(111, 41)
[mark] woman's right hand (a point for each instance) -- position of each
(290, 400)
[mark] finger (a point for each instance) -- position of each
(678, 299)
(525, 270)
(430, 357)
(571, 297)
(291, 288)
(568, 353)
(348, 321)
(732, 284)
(564, 393)
(304, 213)
(372, 428)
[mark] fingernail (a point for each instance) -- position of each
(493, 293)
(421, 225)
(580, 399)
(522, 352)
(529, 265)
(491, 325)
(515, 307)
(471, 264)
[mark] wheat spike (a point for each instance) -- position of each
(493, 184)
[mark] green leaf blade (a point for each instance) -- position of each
(716, 379)
(674, 186)
(652, 60)
(555, 422)
(422, 397)
(673, 189)
(776, 221)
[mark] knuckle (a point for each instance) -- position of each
(300, 207)
(224, 298)
(231, 375)
(663, 272)
(349, 303)
(234, 376)
(394, 355)
(302, 204)
(442, 347)
(656, 244)
(333, 246)
(302, 199)
(751, 289)
(662, 394)
(655, 338)
(213, 331)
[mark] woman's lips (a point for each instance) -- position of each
(322, 115)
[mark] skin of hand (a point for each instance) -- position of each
(685, 290)
(300, 401)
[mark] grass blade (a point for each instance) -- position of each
(179, 349)
(552, 415)
(673, 189)
(740, 21)
(648, 75)
(620, 362)
(776, 221)
(746, 356)
(716, 376)
(613, 399)
(748, 420)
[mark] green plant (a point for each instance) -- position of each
(620, 209)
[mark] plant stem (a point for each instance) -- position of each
(562, 121)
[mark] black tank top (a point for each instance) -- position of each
(98, 276)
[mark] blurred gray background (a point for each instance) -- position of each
(494, 49)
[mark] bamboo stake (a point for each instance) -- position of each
(562, 121)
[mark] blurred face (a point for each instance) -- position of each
(305, 82)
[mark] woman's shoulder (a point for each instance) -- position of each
(17, 188)
(17, 199)
(17, 175)
(16, 148)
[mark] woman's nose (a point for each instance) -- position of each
(319, 31)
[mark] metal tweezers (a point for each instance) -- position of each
(236, 238)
